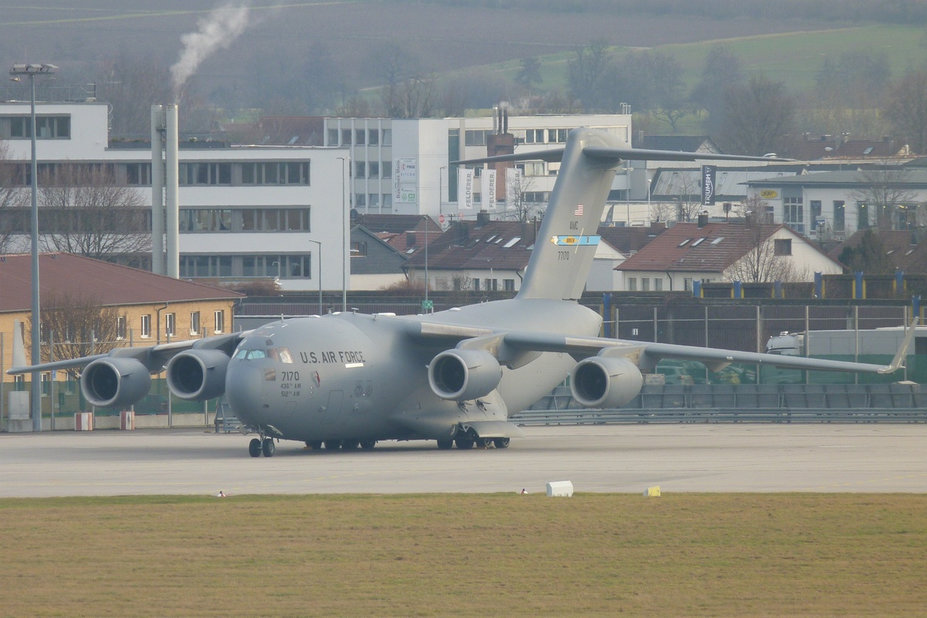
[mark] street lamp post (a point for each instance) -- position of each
(345, 257)
(319, 243)
(17, 72)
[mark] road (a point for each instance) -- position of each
(622, 459)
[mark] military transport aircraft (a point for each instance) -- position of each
(347, 380)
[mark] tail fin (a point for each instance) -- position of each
(567, 241)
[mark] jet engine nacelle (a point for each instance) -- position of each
(605, 382)
(464, 374)
(197, 374)
(114, 382)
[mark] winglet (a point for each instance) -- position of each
(898, 362)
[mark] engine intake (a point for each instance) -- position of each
(114, 382)
(464, 374)
(197, 374)
(605, 382)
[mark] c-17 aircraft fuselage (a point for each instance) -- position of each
(347, 380)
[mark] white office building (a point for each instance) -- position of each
(246, 212)
(405, 166)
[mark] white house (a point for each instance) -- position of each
(688, 252)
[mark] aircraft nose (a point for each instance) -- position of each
(244, 387)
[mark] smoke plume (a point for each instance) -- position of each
(216, 31)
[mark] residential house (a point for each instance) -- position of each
(689, 252)
(148, 308)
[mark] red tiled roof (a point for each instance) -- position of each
(688, 247)
(65, 274)
(504, 245)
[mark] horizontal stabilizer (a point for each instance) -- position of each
(618, 154)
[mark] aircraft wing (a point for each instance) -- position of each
(514, 348)
(647, 354)
(153, 357)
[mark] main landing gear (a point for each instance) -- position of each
(262, 446)
(469, 439)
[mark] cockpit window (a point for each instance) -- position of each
(281, 355)
(243, 354)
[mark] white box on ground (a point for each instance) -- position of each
(562, 489)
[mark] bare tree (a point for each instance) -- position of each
(763, 263)
(586, 73)
(884, 194)
(13, 198)
(86, 212)
(131, 83)
(907, 109)
(518, 207)
(757, 116)
(78, 326)
(722, 70)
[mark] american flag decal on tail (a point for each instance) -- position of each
(578, 211)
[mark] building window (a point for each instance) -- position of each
(782, 246)
(275, 173)
(840, 211)
(658, 285)
(219, 322)
(360, 169)
(358, 249)
(373, 137)
(170, 321)
(645, 284)
(205, 174)
(46, 127)
(862, 211)
(145, 329)
(794, 213)
(359, 136)
(632, 284)
(387, 169)
(816, 217)
(508, 285)
(332, 137)
(195, 323)
(121, 327)
(374, 169)
(138, 174)
(345, 137)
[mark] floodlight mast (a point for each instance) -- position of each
(17, 72)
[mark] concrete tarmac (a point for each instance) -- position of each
(621, 459)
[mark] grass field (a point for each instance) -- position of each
(793, 58)
(499, 554)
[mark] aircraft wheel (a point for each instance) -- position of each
(464, 442)
(332, 445)
(368, 445)
(501, 442)
(254, 448)
(349, 445)
(482, 442)
(314, 444)
(445, 444)
(268, 447)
